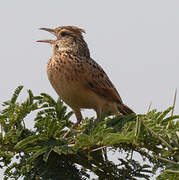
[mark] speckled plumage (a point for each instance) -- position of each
(77, 78)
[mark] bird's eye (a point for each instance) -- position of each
(63, 34)
(56, 46)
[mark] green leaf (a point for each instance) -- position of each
(117, 138)
(16, 94)
(30, 96)
(37, 154)
(82, 141)
(161, 117)
(46, 155)
(171, 118)
(64, 149)
(48, 98)
(29, 140)
(52, 128)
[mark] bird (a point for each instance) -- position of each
(78, 79)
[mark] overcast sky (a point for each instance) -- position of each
(136, 42)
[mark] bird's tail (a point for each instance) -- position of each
(125, 110)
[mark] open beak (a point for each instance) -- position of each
(48, 30)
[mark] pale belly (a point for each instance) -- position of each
(74, 93)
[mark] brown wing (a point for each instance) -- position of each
(98, 81)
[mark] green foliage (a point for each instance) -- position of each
(43, 153)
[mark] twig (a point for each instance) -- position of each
(149, 107)
(1, 128)
(167, 160)
(172, 112)
(137, 124)
(98, 148)
(132, 152)
(171, 171)
(174, 102)
(138, 127)
(105, 154)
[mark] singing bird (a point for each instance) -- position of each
(77, 78)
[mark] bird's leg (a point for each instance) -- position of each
(79, 118)
(98, 112)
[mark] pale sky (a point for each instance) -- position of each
(135, 41)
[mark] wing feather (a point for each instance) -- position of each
(98, 81)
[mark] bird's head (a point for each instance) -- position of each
(67, 38)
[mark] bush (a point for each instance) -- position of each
(43, 153)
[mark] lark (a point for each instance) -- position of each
(77, 78)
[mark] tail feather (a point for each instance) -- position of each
(125, 110)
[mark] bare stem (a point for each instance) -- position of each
(174, 102)
(98, 148)
(171, 171)
(149, 107)
(167, 160)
